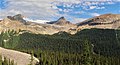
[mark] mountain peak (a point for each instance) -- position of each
(62, 18)
(62, 21)
(17, 17)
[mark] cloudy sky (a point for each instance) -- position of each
(73, 10)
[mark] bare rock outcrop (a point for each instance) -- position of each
(19, 58)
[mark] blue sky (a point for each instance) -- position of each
(3, 4)
(73, 10)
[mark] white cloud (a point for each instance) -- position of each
(60, 9)
(78, 20)
(15, 11)
(96, 4)
(54, 7)
(80, 12)
(110, 2)
(94, 14)
(70, 1)
(47, 9)
(93, 7)
(30, 8)
(100, 8)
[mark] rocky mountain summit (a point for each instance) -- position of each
(18, 23)
(68, 26)
(109, 21)
(17, 17)
(62, 22)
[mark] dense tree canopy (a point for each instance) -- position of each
(95, 46)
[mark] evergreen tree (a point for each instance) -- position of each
(31, 60)
(5, 61)
(0, 60)
(86, 55)
(12, 62)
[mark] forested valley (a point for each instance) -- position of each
(86, 47)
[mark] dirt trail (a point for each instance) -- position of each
(19, 57)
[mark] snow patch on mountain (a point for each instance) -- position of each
(36, 21)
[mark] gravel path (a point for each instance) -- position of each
(19, 57)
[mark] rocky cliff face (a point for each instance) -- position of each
(110, 21)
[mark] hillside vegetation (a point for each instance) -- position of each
(86, 47)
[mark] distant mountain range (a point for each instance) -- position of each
(17, 22)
